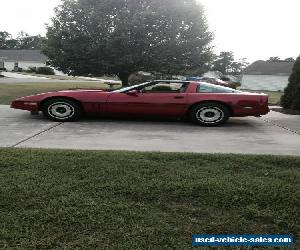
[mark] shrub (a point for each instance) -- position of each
(31, 70)
(291, 97)
(45, 71)
(139, 78)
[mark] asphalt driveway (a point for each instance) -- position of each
(275, 133)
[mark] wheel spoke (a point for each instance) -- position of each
(61, 110)
(210, 115)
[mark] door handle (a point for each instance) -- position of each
(179, 97)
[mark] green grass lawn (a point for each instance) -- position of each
(55, 199)
(274, 96)
(10, 91)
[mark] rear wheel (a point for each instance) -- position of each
(62, 110)
(209, 114)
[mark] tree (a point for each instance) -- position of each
(6, 41)
(4, 36)
(274, 59)
(237, 67)
(223, 62)
(226, 64)
(122, 37)
(23, 41)
(289, 59)
(291, 97)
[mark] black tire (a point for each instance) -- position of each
(209, 114)
(62, 110)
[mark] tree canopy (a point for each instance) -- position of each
(121, 37)
(226, 64)
(274, 59)
(291, 97)
(289, 59)
(278, 59)
(23, 41)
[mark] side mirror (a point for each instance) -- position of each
(133, 92)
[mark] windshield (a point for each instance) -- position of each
(126, 89)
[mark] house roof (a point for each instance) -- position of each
(22, 55)
(269, 68)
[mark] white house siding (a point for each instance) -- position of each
(25, 65)
(264, 82)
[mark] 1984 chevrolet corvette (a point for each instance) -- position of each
(203, 103)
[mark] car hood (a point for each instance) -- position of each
(63, 93)
(81, 90)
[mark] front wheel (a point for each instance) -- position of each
(209, 114)
(62, 110)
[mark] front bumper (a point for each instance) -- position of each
(25, 105)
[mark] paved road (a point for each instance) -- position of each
(21, 76)
(36, 80)
(273, 134)
(12, 77)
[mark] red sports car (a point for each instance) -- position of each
(204, 103)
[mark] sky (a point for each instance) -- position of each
(252, 29)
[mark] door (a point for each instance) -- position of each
(156, 99)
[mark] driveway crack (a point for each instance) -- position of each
(35, 135)
(280, 126)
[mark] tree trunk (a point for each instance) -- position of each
(124, 78)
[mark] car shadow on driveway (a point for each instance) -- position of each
(232, 122)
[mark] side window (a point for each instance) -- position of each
(165, 87)
(203, 88)
(209, 88)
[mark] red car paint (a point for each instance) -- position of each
(150, 104)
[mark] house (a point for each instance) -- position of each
(9, 58)
(265, 75)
